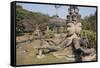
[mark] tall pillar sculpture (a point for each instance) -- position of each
(73, 30)
(73, 27)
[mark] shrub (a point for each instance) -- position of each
(91, 35)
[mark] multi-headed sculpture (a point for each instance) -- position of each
(73, 30)
(73, 27)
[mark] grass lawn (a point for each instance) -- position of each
(26, 54)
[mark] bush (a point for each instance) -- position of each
(91, 37)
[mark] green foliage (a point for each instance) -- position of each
(28, 20)
(91, 36)
(89, 27)
(89, 22)
(18, 6)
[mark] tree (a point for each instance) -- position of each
(89, 22)
(26, 20)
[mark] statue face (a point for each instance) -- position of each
(71, 11)
(74, 18)
(73, 28)
(70, 28)
(78, 28)
(77, 10)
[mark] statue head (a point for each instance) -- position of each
(70, 29)
(73, 28)
(73, 19)
(78, 28)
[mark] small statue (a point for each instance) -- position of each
(85, 41)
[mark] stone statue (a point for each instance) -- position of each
(85, 41)
(73, 30)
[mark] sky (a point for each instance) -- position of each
(62, 11)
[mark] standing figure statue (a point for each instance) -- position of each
(85, 41)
